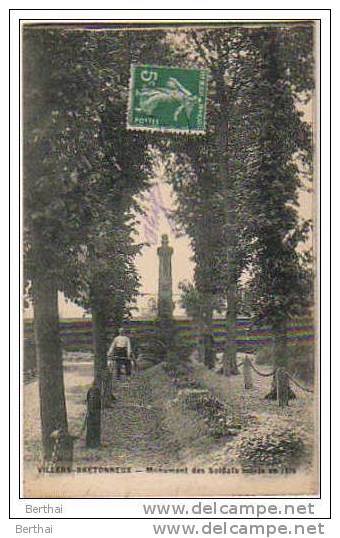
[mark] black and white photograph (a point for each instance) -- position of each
(170, 255)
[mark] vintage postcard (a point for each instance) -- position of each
(170, 254)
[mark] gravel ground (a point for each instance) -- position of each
(142, 428)
(244, 403)
(146, 427)
(132, 430)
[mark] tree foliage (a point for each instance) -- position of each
(82, 168)
(281, 155)
(82, 172)
(196, 304)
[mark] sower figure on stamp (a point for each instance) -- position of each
(174, 92)
(120, 351)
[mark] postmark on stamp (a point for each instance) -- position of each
(168, 99)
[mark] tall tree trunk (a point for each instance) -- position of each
(280, 345)
(50, 368)
(205, 337)
(102, 373)
(280, 388)
(230, 347)
(100, 342)
(229, 361)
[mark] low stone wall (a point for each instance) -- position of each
(76, 334)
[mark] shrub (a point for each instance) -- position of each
(177, 369)
(264, 355)
(180, 350)
(270, 444)
(177, 364)
(300, 359)
(181, 374)
(215, 414)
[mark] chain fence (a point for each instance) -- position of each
(284, 371)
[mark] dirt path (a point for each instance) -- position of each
(143, 428)
(133, 431)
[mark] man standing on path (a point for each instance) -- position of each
(120, 351)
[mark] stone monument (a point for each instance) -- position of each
(165, 303)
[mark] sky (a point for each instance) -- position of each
(147, 264)
(150, 229)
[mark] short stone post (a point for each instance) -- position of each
(93, 420)
(247, 373)
(62, 451)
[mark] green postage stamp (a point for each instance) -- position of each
(167, 99)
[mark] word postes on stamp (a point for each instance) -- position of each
(168, 99)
